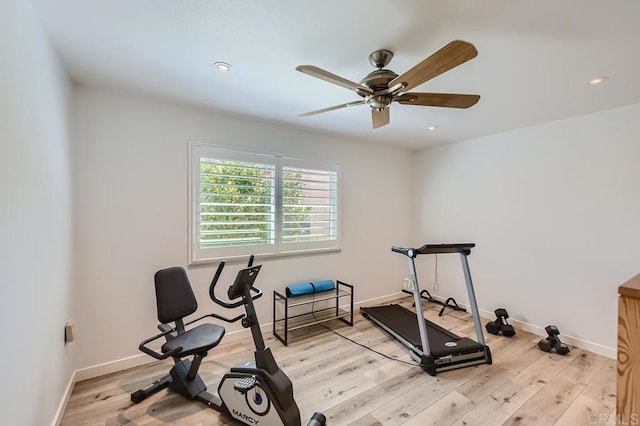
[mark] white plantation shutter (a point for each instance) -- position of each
(236, 203)
(309, 203)
(244, 203)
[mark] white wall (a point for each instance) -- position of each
(131, 157)
(35, 221)
(554, 212)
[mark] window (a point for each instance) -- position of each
(244, 203)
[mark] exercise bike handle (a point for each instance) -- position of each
(158, 355)
(166, 329)
(223, 303)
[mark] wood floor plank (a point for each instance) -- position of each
(584, 367)
(548, 404)
(368, 400)
(366, 420)
(446, 410)
(582, 411)
(504, 402)
(417, 398)
(514, 358)
(602, 388)
(338, 384)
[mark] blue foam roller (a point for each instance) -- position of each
(299, 289)
(325, 285)
(309, 288)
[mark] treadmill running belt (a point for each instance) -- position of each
(402, 321)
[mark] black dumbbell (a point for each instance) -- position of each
(501, 325)
(552, 341)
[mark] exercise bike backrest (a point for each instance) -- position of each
(239, 289)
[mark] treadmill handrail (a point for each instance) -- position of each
(462, 248)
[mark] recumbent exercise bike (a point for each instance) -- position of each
(253, 392)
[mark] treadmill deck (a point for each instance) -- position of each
(404, 322)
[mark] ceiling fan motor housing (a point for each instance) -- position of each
(377, 80)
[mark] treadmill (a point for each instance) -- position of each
(433, 347)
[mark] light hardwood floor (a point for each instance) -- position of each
(353, 386)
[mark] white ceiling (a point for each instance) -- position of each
(534, 57)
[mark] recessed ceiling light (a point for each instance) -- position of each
(598, 80)
(222, 66)
(432, 128)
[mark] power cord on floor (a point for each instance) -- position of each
(358, 343)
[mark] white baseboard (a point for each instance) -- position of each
(382, 299)
(112, 367)
(57, 419)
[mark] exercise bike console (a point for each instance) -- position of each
(245, 278)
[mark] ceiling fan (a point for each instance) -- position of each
(382, 87)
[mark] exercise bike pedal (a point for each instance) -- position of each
(138, 396)
(245, 385)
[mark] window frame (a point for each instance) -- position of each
(198, 255)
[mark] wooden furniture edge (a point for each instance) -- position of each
(631, 288)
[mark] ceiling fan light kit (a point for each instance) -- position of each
(382, 86)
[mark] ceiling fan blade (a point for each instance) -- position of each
(446, 100)
(450, 56)
(316, 72)
(319, 111)
(380, 117)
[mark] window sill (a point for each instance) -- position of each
(244, 257)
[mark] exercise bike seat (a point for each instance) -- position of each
(175, 300)
(196, 340)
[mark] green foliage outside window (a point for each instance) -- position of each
(237, 203)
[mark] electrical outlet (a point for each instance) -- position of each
(407, 284)
(69, 332)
